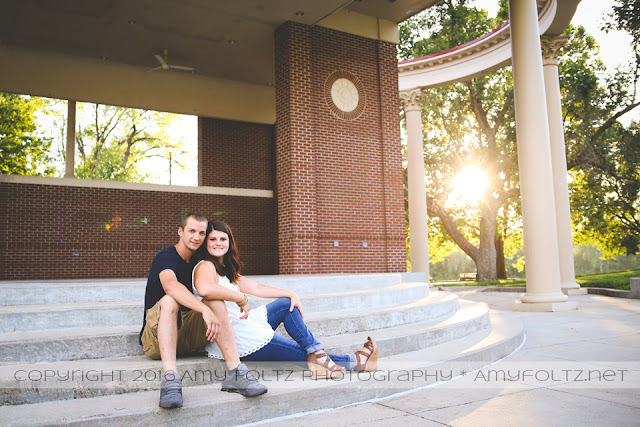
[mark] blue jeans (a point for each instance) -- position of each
(282, 349)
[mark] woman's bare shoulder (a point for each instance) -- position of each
(205, 266)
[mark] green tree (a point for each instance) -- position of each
(467, 126)
(472, 124)
(22, 151)
(625, 16)
(603, 154)
(112, 141)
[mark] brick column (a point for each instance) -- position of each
(392, 159)
(295, 166)
(338, 170)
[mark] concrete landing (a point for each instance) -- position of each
(602, 339)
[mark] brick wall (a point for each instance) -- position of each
(235, 154)
(337, 180)
(117, 232)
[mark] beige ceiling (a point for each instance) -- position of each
(229, 39)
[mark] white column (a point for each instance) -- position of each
(550, 51)
(534, 159)
(71, 140)
(412, 101)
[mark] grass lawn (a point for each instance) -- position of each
(614, 280)
(504, 283)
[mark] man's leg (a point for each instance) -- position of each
(168, 333)
(159, 340)
(226, 339)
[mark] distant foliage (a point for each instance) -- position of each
(22, 150)
(112, 141)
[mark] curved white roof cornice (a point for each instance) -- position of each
(482, 55)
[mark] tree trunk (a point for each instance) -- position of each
(486, 260)
(501, 266)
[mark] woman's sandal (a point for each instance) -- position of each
(326, 369)
(367, 358)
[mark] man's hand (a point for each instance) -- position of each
(213, 325)
(295, 302)
(246, 309)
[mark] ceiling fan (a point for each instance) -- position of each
(164, 64)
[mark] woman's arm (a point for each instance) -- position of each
(206, 283)
(248, 286)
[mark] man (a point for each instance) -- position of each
(176, 323)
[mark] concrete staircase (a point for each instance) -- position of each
(69, 351)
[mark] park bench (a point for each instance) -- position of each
(468, 276)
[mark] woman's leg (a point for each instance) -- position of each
(279, 349)
(282, 349)
(278, 312)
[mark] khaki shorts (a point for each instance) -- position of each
(191, 333)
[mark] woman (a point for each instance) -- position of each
(216, 276)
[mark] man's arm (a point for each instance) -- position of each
(181, 294)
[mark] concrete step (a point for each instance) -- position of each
(74, 315)
(102, 339)
(97, 342)
(468, 319)
(357, 319)
(403, 293)
(113, 290)
(82, 315)
(206, 405)
(318, 283)
(71, 291)
(36, 382)
(51, 345)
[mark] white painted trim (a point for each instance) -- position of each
(361, 25)
(89, 183)
(475, 59)
(82, 79)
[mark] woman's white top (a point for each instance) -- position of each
(251, 333)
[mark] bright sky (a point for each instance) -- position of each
(185, 128)
(615, 47)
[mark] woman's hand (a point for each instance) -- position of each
(246, 309)
(295, 302)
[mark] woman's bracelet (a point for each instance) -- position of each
(244, 301)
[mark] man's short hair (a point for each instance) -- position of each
(195, 216)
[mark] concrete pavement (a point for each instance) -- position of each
(575, 368)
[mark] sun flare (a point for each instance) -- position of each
(468, 186)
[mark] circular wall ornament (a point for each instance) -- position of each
(344, 95)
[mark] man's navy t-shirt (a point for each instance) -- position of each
(166, 259)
